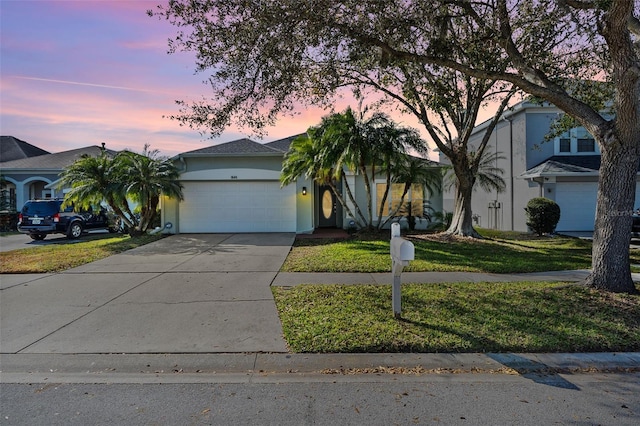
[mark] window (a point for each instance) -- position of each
(414, 198)
(586, 145)
(565, 145)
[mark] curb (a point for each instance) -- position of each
(247, 367)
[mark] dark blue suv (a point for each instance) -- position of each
(41, 217)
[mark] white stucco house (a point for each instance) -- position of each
(563, 169)
(235, 187)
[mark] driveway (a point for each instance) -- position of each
(204, 293)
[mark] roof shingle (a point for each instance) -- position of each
(12, 148)
(57, 161)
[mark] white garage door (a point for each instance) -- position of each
(577, 203)
(256, 206)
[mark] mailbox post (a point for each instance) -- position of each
(402, 251)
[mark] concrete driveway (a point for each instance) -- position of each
(204, 293)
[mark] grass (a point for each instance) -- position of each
(499, 252)
(461, 317)
(58, 257)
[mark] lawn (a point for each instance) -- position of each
(460, 317)
(58, 257)
(499, 252)
(455, 317)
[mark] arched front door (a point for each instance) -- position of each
(327, 205)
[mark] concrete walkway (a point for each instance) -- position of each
(289, 279)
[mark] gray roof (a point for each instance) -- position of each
(567, 165)
(282, 144)
(237, 147)
(56, 161)
(555, 168)
(12, 148)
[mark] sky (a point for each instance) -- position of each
(77, 73)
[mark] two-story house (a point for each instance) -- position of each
(563, 169)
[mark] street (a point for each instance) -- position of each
(452, 399)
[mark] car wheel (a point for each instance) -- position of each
(75, 230)
(37, 237)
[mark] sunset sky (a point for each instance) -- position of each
(77, 73)
(81, 72)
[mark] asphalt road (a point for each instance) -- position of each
(451, 399)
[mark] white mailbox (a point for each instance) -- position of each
(402, 250)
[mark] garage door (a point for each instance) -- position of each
(256, 206)
(577, 203)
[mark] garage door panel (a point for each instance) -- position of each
(577, 201)
(216, 206)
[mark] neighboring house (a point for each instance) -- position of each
(15, 149)
(235, 187)
(563, 169)
(36, 177)
(12, 148)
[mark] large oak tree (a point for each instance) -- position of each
(267, 57)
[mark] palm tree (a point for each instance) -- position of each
(116, 179)
(96, 179)
(411, 170)
(391, 143)
(349, 141)
(147, 177)
(309, 157)
(363, 145)
(344, 146)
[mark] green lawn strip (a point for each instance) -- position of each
(58, 257)
(460, 317)
(496, 255)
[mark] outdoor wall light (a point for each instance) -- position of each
(304, 190)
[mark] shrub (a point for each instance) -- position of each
(543, 215)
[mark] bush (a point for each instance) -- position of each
(543, 215)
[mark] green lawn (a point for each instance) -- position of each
(460, 317)
(455, 317)
(498, 253)
(58, 257)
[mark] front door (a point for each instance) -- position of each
(327, 205)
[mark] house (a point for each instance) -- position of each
(235, 187)
(36, 177)
(563, 169)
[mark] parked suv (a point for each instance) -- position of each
(635, 227)
(41, 217)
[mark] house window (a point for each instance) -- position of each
(565, 145)
(586, 145)
(413, 198)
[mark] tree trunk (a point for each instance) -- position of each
(614, 207)
(384, 201)
(344, 204)
(619, 146)
(353, 200)
(462, 221)
(367, 186)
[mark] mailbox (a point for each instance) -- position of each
(402, 250)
